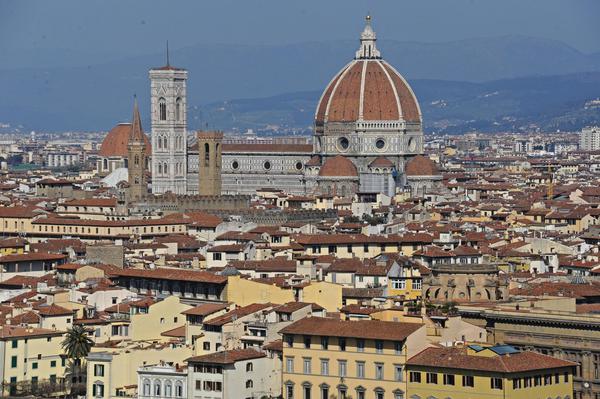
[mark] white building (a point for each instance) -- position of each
(61, 158)
(589, 138)
(162, 381)
(234, 374)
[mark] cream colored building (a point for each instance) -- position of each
(30, 355)
(358, 359)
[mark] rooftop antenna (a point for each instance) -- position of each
(168, 64)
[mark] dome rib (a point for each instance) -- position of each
(342, 73)
(395, 91)
(411, 111)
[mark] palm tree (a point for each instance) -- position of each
(77, 345)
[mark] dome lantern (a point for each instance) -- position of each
(368, 39)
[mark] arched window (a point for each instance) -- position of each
(159, 142)
(249, 367)
(165, 143)
(105, 164)
(179, 389)
(162, 109)
(168, 389)
(165, 168)
(146, 388)
(249, 384)
(159, 172)
(178, 112)
(137, 159)
(157, 388)
(206, 153)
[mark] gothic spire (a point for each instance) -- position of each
(136, 124)
(368, 39)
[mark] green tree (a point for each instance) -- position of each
(77, 345)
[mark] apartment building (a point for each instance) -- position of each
(487, 372)
(30, 356)
(234, 374)
(359, 359)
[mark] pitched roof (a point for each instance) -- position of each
(227, 357)
(458, 358)
(162, 273)
(237, 313)
(369, 329)
(7, 332)
(205, 309)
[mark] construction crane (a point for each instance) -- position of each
(550, 188)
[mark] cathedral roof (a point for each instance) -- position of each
(368, 89)
(338, 166)
(116, 141)
(381, 162)
(421, 166)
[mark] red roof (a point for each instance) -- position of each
(116, 141)
(421, 166)
(369, 329)
(457, 358)
(227, 357)
(377, 86)
(35, 256)
(338, 166)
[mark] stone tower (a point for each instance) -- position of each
(209, 162)
(169, 129)
(136, 158)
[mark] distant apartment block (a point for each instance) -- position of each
(589, 138)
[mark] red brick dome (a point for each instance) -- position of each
(368, 90)
(421, 166)
(116, 141)
(338, 166)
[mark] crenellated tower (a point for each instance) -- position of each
(209, 162)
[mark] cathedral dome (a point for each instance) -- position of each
(338, 166)
(116, 141)
(421, 166)
(367, 89)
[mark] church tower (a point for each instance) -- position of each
(136, 158)
(209, 163)
(169, 129)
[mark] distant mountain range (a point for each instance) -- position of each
(547, 103)
(73, 95)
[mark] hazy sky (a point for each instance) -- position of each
(115, 28)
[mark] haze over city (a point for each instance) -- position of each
(298, 200)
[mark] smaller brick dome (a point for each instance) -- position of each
(338, 166)
(116, 141)
(421, 166)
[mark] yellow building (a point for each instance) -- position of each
(359, 359)
(244, 292)
(30, 357)
(162, 316)
(492, 372)
(11, 246)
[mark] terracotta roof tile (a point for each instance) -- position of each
(457, 358)
(227, 357)
(369, 329)
(338, 166)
